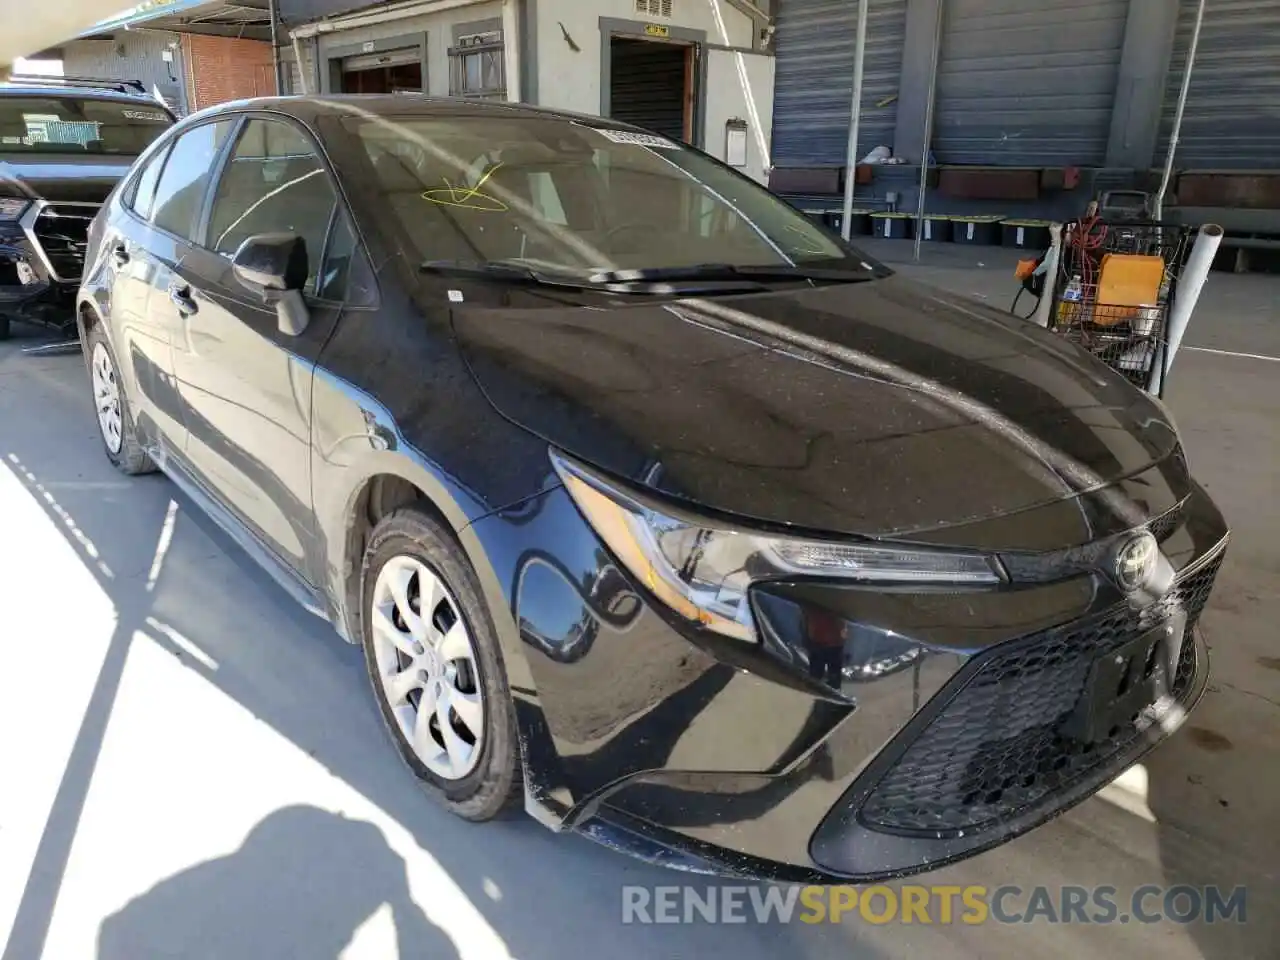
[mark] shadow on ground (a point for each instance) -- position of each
(262, 900)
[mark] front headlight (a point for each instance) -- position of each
(702, 569)
(11, 208)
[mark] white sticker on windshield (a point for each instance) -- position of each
(638, 139)
(153, 115)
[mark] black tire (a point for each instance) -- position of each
(496, 784)
(4, 328)
(130, 459)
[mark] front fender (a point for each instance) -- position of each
(95, 298)
(354, 439)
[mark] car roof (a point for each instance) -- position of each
(57, 91)
(307, 108)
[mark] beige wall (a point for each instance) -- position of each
(437, 26)
(740, 86)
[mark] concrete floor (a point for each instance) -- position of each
(190, 766)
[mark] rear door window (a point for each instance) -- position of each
(179, 194)
(144, 188)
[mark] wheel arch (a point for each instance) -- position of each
(92, 309)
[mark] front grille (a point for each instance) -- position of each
(62, 231)
(1000, 747)
(1163, 526)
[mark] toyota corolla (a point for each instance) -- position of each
(656, 508)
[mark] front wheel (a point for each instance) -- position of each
(111, 405)
(436, 667)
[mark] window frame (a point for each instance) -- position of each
(477, 39)
(158, 151)
(166, 144)
(340, 207)
(129, 195)
(215, 166)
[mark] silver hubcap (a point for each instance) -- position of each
(106, 397)
(427, 667)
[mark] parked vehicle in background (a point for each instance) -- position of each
(64, 144)
(654, 506)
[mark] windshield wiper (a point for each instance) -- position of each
(621, 281)
(729, 271)
(479, 268)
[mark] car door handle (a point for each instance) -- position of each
(120, 254)
(182, 299)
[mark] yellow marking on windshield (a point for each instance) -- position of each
(468, 198)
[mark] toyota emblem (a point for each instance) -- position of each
(1136, 562)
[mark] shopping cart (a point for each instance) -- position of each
(1114, 290)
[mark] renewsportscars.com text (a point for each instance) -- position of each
(933, 904)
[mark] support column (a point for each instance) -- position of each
(914, 87)
(512, 49)
(1140, 84)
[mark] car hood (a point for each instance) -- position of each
(880, 408)
(86, 179)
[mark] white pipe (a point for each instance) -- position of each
(928, 132)
(303, 66)
(1051, 258)
(512, 29)
(855, 117)
(308, 30)
(1190, 285)
(1177, 117)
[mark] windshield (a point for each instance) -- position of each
(568, 197)
(74, 125)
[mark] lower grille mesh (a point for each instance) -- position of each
(1000, 746)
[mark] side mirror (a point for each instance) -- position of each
(274, 266)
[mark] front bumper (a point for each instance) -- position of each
(705, 756)
(28, 291)
(843, 849)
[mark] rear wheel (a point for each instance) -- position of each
(111, 406)
(436, 668)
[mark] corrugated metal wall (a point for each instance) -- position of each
(1232, 118)
(814, 42)
(135, 55)
(1027, 84)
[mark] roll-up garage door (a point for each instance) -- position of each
(1027, 84)
(1232, 117)
(814, 42)
(647, 85)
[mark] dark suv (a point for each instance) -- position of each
(64, 144)
(653, 505)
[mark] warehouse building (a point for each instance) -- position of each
(695, 70)
(189, 54)
(1032, 109)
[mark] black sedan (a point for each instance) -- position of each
(654, 506)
